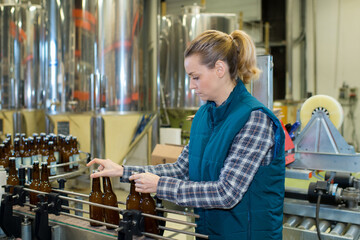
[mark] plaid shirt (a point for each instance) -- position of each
(251, 147)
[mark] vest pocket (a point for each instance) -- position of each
(226, 223)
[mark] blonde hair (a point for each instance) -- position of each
(236, 49)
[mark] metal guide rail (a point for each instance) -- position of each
(56, 202)
(67, 175)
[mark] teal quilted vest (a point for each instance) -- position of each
(259, 214)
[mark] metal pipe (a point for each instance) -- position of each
(70, 193)
(169, 219)
(314, 42)
(184, 232)
(178, 212)
(307, 223)
(53, 178)
(292, 221)
(139, 137)
(289, 49)
(324, 225)
(26, 229)
(155, 236)
(115, 208)
(119, 210)
(123, 203)
(75, 209)
(338, 229)
(90, 220)
(91, 203)
(353, 232)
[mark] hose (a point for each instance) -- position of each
(317, 215)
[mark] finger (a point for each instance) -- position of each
(135, 176)
(98, 174)
(95, 160)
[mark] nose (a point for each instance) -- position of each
(192, 84)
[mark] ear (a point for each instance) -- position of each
(220, 68)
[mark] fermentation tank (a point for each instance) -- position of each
(177, 31)
(22, 68)
(102, 72)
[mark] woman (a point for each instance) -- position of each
(232, 170)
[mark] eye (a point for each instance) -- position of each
(196, 78)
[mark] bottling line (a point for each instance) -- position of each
(329, 207)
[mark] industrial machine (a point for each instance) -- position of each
(329, 207)
(52, 218)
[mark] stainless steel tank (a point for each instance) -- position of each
(99, 56)
(126, 49)
(102, 74)
(176, 32)
(22, 68)
(71, 39)
(22, 51)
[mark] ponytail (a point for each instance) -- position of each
(236, 49)
(246, 64)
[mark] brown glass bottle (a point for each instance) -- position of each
(110, 199)
(44, 182)
(75, 152)
(67, 156)
(69, 148)
(32, 149)
(3, 156)
(45, 150)
(35, 183)
(7, 150)
(62, 147)
(51, 159)
(96, 196)
(133, 199)
(54, 138)
(38, 149)
(26, 156)
(13, 178)
(147, 205)
(17, 153)
(22, 142)
(8, 136)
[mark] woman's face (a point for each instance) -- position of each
(203, 80)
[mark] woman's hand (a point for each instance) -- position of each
(145, 182)
(107, 168)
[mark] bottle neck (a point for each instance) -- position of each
(132, 187)
(44, 173)
(51, 152)
(12, 169)
(145, 195)
(107, 184)
(36, 172)
(96, 185)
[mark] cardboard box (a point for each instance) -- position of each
(164, 153)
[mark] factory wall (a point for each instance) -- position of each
(337, 48)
